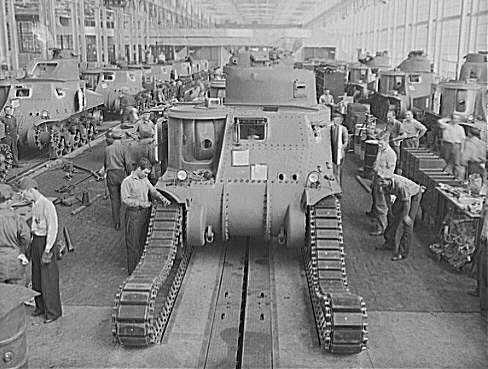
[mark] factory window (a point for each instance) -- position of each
(23, 92)
(414, 78)
(252, 128)
(461, 96)
(108, 76)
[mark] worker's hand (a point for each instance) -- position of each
(165, 201)
(23, 259)
(407, 221)
(46, 257)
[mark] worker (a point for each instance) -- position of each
(384, 167)
(117, 165)
(14, 240)
(11, 133)
(45, 272)
(326, 98)
(340, 135)
(473, 157)
(453, 137)
(135, 192)
(127, 105)
(398, 233)
(144, 125)
(411, 131)
(394, 129)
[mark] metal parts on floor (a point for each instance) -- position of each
(144, 301)
(340, 316)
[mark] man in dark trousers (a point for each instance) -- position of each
(11, 133)
(340, 136)
(45, 272)
(398, 233)
(14, 240)
(117, 165)
(135, 192)
(384, 167)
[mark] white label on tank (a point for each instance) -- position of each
(240, 158)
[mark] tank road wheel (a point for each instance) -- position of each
(5, 161)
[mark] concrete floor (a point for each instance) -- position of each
(419, 313)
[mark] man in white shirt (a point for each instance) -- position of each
(45, 272)
(326, 98)
(453, 137)
(135, 190)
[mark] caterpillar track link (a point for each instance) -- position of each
(144, 301)
(340, 316)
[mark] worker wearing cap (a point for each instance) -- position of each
(135, 192)
(117, 165)
(398, 233)
(340, 135)
(11, 133)
(144, 126)
(453, 137)
(14, 240)
(45, 272)
(384, 167)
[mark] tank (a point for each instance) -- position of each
(466, 96)
(113, 80)
(262, 166)
(363, 76)
(408, 87)
(53, 106)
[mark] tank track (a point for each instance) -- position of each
(340, 316)
(144, 301)
(6, 161)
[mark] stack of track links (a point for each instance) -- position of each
(340, 316)
(144, 301)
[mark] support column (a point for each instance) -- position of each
(105, 35)
(475, 31)
(98, 29)
(14, 42)
(4, 57)
(430, 29)
(406, 31)
(74, 27)
(413, 19)
(394, 33)
(462, 36)
(439, 30)
(81, 34)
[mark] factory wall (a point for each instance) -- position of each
(445, 29)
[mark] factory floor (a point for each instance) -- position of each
(419, 313)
